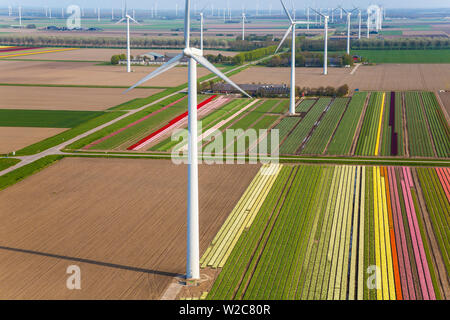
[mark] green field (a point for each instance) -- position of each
(405, 56)
(6, 163)
(45, 118)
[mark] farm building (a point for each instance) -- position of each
(252, 89)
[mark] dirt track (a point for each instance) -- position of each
(121, 221)
(47, 98)
(13, 139)
(381, 77)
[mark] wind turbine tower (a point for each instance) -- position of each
(194, 56)
(325, 50)
(293, 23)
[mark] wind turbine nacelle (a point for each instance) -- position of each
(189, 52)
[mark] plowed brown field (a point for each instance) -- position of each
(15, 138)
(48, 98)
(381, 77)
(76, 73)
(122, 221)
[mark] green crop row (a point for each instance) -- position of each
(419, 139)
(438, 208)
(320, 137)
(342, 140)
(438, 124)
(305, 105)
(301, 131)
(369, 130)
(121, 124)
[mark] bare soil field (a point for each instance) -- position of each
(85, 99)
(445, 98)
(430, 77)
(122, 221)
(104, 54)
(76, 73)
(13, 139)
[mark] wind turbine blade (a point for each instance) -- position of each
(284, 38)
(287, 12)
(121, 20)
(165, 67)
(206, 5)
(319, 13)
(134, 20)
(204, 62)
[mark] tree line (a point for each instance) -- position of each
(303, 59)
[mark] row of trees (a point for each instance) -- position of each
(398, 43)
(242, 57)
(119, 42)
(323, 91)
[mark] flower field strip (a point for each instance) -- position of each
(419, 252)
(256, 119)
(406, 277)
(238, 269)
(309, 268)
(34, 52)
(292, 223)
(418, 135)
(140, 128)
(319, 287)
(213, 122)
(377, 144)
(300, 133)
(438, 207)
(305, 105)
(369, 132)
(325, 129)
(241, 217)
(341, 142)
(282, 107)
(440, 130)
(444, 178)
(398, 124)
(332, 222)
(175, 121)
(388, 126)
(393, 243)
(181, 122)
(87, 147)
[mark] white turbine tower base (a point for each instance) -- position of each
(194, 56)
(291, 28)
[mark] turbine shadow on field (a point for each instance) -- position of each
(99, 263)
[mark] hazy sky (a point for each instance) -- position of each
(237, 4)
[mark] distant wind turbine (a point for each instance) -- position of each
(325, 50)
(291, 28)
(349, 14)
(194, 56)
(128, 18)
(243, 25)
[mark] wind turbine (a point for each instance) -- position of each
(20, 15)
(128, 18)
(325, 50)
(194, 56)
(291, 28)
(359, 24)
(349, 14)
(243, 25)
(201, 31)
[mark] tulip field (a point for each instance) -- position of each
(336, 232)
